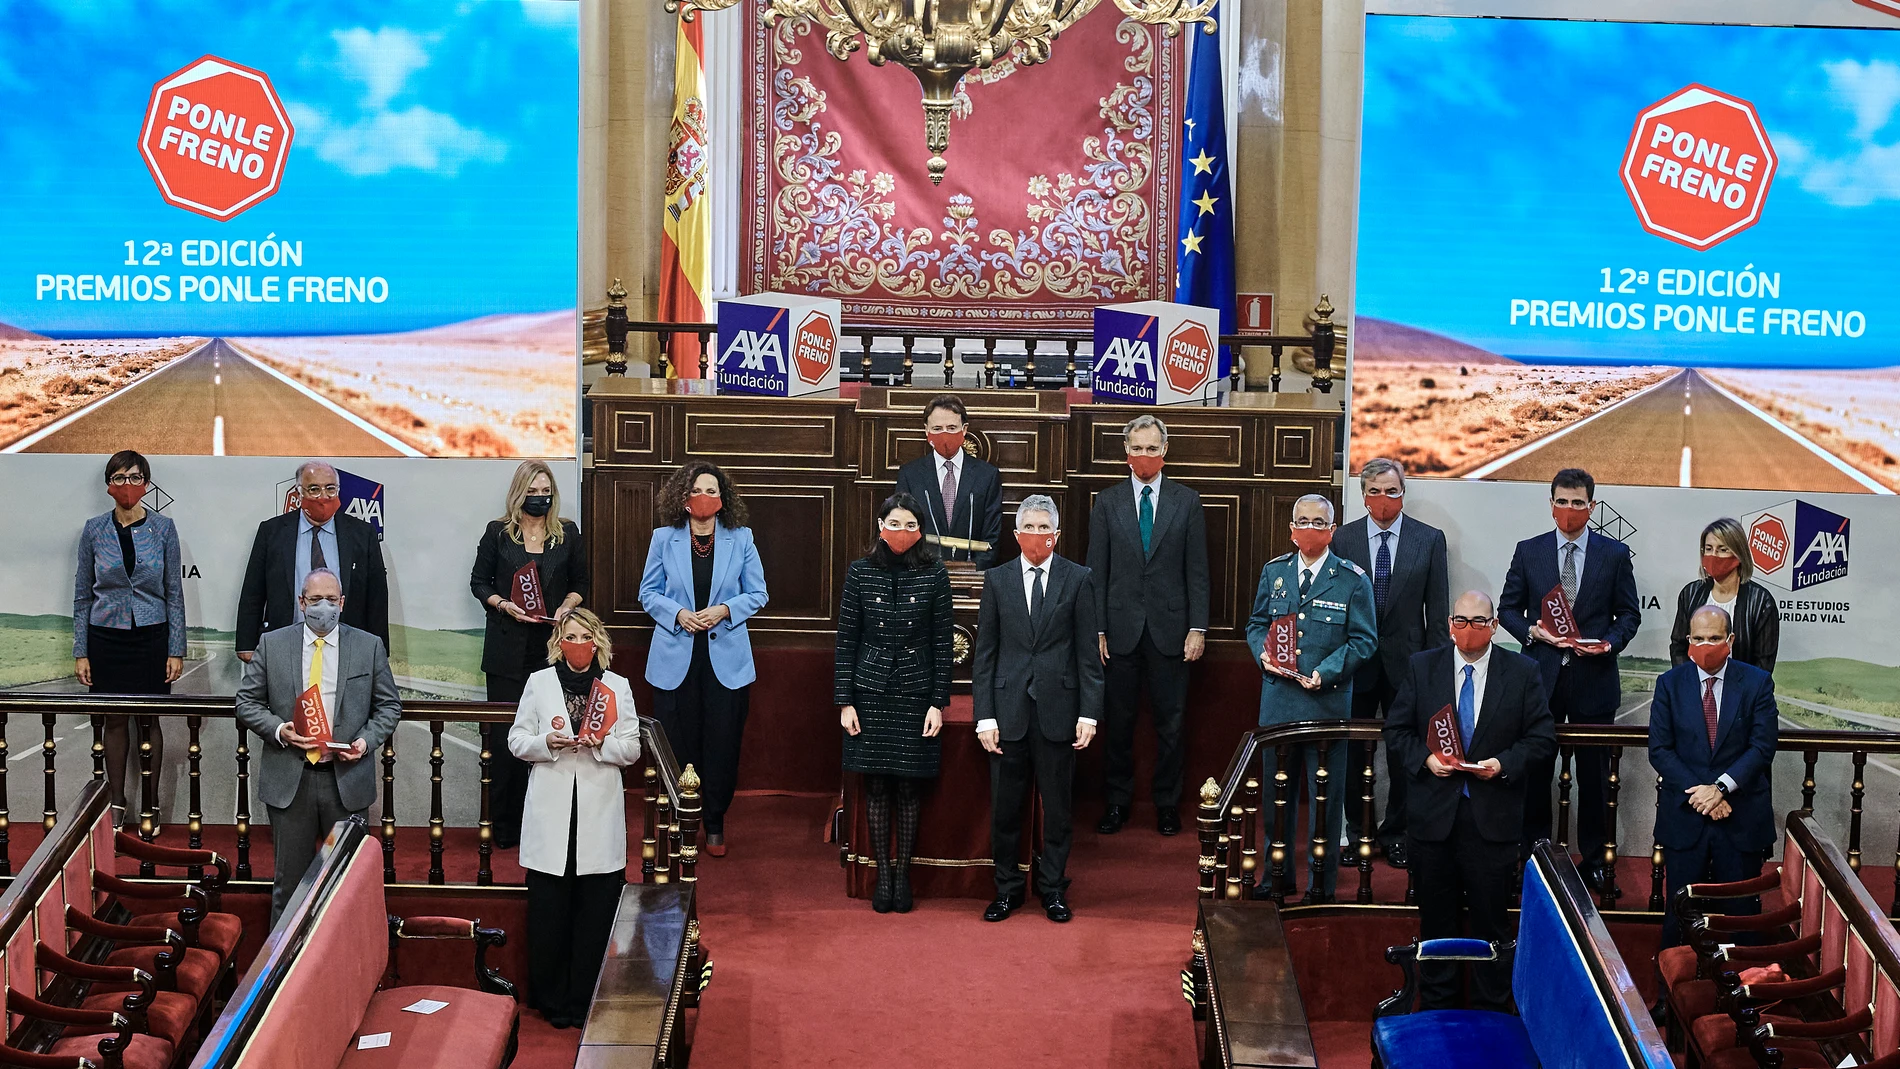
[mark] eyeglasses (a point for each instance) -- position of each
(321, 491)
(311, 602)
(1459, 623)
(1394, 492)
(1313, 525)
(133, 479)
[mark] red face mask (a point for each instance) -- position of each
(1146, 467)
(1569, 520)
(1717, 567)
(126, 496)
(946, 443)
(1384, 509)
(578, 655)
(1470, 639)
(1036, 547)
(704, 506)
(899, 539)
(1312, 540)
(320, 509)
(1710, 657)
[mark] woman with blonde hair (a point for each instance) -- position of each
(530, 571)
(1728, 583)
(577, 727)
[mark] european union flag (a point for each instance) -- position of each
(1204, 246)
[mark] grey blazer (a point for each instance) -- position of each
(368, 709)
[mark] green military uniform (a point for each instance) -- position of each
(1338, 631)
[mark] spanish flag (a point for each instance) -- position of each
(686, 229)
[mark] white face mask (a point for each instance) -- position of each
(322, 617)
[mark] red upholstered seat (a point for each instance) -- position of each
(1716, 1032)
(217, 932)
(145, 1052)
(168, 1018)
(196, 973)
(1677, 964)
(472, 1031)
(1692, 1000)
(1793, 1058)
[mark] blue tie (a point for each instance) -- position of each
(1382, 571)
(1467, 718)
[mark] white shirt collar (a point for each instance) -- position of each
(1136, 480)
(1703, 677)
(310, 638)
(955, 460)
(1299, 562)
(1582, 541)
(1045, 565)
(1373, 530)
(1480, 667)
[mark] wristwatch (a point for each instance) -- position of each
(1720, 786)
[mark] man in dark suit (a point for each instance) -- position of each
(309, 785)
(1584, 685)
(1712, 739)
(948, 472)
(1405, 557)
(1037, 689)
(1464, 825)
(1148, 555)
(291, 546)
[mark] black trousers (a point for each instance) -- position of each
(1712, 860)
(1144, 669)
(299, 828)
(705, 723)
(1464, 873)
(1372, 694)
(569, 920)
(1589, 777)
(507, 774)
(1051, 767)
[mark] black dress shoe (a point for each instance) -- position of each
(900, 893)
(1113, 819)
(1004, 905)
(1396, 855)
(1594, 877)
(1056, 908)
(1168, 820)
(1263, 891)
(1316, 897)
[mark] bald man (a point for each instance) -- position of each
(291, 546)
(1712, 739)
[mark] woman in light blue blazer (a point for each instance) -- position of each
(702, 583)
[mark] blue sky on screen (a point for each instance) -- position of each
(1491, 166)
(436, 146)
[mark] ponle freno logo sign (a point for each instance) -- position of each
(215, 138)
(1698, 167)
(1795, 545)
(1190, 354)
(815, 347)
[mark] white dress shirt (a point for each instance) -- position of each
(1030, 581)
(1155, 499)
(1582, 542)
(1480, 671)
(1373, 537)
(326, 687)
(955, 463)
(1701, 684)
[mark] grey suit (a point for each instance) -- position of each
(305, 800)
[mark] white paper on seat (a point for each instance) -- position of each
(380, 1039)
(427, 1005)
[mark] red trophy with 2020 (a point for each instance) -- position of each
(601, 714)
(1282, 648)
(1447, 743)
(313, 722)
(525, 591)
(1560, 620)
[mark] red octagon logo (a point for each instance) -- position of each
(1188, 357)
(1768, 543)
(1890, 7)
(1698, 167)
(815, 348)
(215, 138)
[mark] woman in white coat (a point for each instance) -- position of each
(575, 867)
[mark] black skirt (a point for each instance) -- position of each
(128, 660)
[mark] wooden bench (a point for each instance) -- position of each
(1243, 976)
(649, 980)
(317, 988)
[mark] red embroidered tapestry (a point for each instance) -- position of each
(1060, 193)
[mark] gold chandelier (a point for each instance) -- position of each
(942, 40)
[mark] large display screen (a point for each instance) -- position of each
(1660, 252)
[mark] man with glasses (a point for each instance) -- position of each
(1326, 602)
(1464, 824)
(1405, 557)
(291, 546)
(1597, 582)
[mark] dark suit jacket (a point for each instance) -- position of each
(1755, 622)
(1679, 751)
(1606, 608)
(1058, 660)
(1164, 590)
(269, 601)
(1514, 726)
(563, 568)
(1418, 603)
(979, 506)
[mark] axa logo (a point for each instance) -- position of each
(1127, 358)
(362, 498)
(1795, 545)
(755, 347)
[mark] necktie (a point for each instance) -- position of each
(1035, 598)
(1382, 571)
(1306, 582)
(949, 493)
(1147, 518)
(1467, 718)
(316, 680)
(1710, 714)
(1570, 573)
(316, 551)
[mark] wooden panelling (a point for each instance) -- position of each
(796, 529)
(788, 437)
(1293, 447)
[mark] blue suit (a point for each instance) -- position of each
(666, 587)
(1582, 689)
(1696, 847)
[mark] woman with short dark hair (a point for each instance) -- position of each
(1728, 583)
(128, 612)
(702, 582)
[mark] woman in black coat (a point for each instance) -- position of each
(530, 569)
(1727, 582)
(893, 680)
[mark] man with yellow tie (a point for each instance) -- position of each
(340, 677)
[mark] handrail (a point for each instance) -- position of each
(1612, 975)
(1857, 904)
